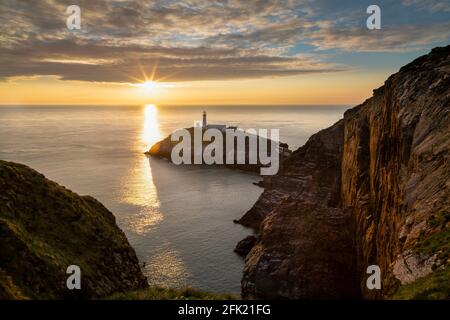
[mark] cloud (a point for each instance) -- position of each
(89, 61)
(389, 39)
(429, 5)
(189, 39)
(120, 38)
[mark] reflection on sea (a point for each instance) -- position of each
(166, 269)
(150, 132)
(139, 191)
(138, 187)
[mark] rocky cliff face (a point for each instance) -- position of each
(373, 189)
(44, 228)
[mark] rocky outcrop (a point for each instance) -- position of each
(373, 189)
(44, 228)
(233, 142)
(245, 245)
(305, 248)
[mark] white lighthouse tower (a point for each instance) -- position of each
(204, 123)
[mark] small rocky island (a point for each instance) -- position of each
(234, 141)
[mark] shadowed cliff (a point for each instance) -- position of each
(44, 228)
(373, 189)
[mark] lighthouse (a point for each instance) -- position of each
(204, 123)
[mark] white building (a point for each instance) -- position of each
(205, 124)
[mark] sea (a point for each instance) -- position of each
(179, 219)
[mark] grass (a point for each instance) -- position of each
(45, 227)
(160, 293)
(435, 286)
(439, 241)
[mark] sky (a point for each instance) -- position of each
(210, 52)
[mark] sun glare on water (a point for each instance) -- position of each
(138, 187)
(150, 132)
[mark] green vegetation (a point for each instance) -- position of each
(45, 227)
(439, 220)
(435, 286)
(439, 241)
(159, 293)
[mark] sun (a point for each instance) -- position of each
(148, 85)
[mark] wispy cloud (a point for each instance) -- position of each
(189, 40)
(390, 39)
(429, 5)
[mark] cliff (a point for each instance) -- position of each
(373, 189)
(44, 228)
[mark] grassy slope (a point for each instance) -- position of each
(45, 227)
(434, 286)
(437, 284)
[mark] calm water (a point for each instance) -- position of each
(179, 220)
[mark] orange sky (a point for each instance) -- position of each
(349, 87)
(235, 52)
